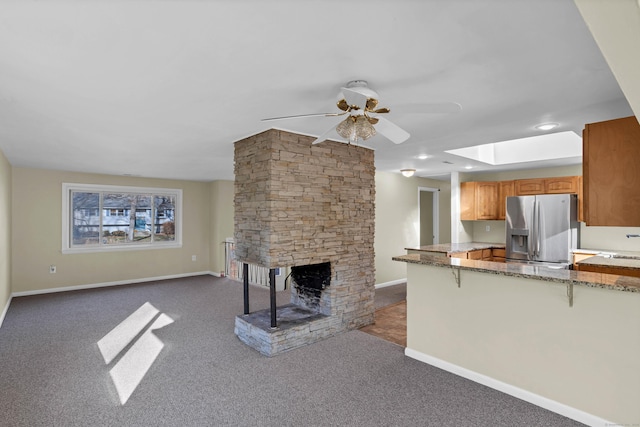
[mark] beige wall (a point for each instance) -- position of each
(522, 332)
(398, 220)
(5, 234)
(37, 231)
(523, 174)
(209, 220)
(615, 26)
(208, 209)
(221, 222)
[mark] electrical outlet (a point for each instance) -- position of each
(487, 228)
(194, 258)
(52, 269)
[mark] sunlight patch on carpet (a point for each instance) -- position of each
(136, 361)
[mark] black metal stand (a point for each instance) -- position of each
(245, 282)
(272, 293)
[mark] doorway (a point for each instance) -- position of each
(428, 206)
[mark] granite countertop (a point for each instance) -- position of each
(607, 261)
(617, 259)
(599, 280)
(452, 248)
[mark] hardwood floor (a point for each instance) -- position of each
(390, 323)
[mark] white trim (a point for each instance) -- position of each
(105, 284)
(391, 283)
(66, 244)
(527, 396)
(4, 312)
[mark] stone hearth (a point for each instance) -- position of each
(298, 204)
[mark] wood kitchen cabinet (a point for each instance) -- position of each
(618, 271)
(505, 189)
(611, 151)
(561, 185)
(555, 185)
(579, 256)
(498, 255)
(580, 199)
(529, 187)
(478, 254)
(478, 200)
(467, 201)
(481, 200)
(475, 254)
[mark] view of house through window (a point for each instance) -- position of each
(121, 218)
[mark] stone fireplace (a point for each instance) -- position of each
(310, 208)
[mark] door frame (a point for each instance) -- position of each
(435, 194)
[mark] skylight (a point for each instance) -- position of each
(551, 146)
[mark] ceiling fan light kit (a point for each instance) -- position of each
(355, 127)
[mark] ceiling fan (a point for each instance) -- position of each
(360, 104)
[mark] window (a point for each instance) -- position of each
(103, 218)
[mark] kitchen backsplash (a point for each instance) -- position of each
(606, 238)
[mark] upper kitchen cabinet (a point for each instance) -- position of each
(505, 189)
(529, 187)
(555, 185)
(562, 185)
(611, 173)
(478, 200)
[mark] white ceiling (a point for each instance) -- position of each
(164, 88)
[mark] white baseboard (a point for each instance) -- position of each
(4, 311)
(391, 283)
(527, 396)
(105, 284)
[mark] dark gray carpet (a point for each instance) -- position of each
(52, 372)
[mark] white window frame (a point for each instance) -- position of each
(67, 247)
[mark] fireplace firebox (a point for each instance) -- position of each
(309, 281)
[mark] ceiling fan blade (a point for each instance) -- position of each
(301, 116)
(324, 136)
(396, 134)
(354, 98)
(428, 108)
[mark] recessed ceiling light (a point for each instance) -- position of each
(546, 126)
(468, 167)
(422, 156)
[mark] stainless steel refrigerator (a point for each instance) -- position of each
(542, 229)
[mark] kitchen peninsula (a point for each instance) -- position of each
(565, 340)
(470, 250)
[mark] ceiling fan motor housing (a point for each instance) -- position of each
(361, 87)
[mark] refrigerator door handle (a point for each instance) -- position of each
(534, 250)
(538, 226)
(533, 236)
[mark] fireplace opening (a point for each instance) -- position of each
(310, 280)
